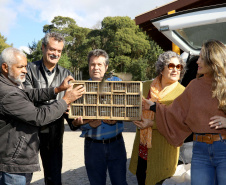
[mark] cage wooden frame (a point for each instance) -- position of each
(109, 100)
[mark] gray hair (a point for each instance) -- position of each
(97, 53)
(8, 56)
(165, 58)
(57, 36)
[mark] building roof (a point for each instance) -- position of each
(144, 20)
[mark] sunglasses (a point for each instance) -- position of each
(171, 66)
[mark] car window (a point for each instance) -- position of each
(195, 36)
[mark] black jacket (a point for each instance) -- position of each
(36, 78)
(19, 124)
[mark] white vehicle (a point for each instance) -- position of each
(191, 28)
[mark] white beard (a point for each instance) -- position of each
(17, 79)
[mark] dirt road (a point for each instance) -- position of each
(73, 172)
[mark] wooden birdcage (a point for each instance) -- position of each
(109, 100)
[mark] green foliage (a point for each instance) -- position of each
(76, 50)
(3, 43)
(63, 25)
(59, 24)
(124, 41)
(65, 62)
(152, 57)
(138, 69)
(35, 51)
(122, 62)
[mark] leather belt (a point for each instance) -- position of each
(208, 138)
(105, 141)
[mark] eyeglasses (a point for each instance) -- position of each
(171, 66)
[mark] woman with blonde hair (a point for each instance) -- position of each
(200, 109)
(153, 158)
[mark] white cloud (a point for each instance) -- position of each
(8, 16)
(21, 15)
(25, 49)
(86, 13)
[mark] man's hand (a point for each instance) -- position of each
(95, 123)
(73, 94)
(79, 121)
(110, 122)
(146, 104)
(64, 85)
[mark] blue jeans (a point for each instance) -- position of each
(15, 178)
(101, 157)
(208, 165)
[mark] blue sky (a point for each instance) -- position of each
(22, 21)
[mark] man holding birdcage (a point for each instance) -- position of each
(104, 144)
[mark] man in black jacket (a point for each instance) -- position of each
(47, 73)
(20, 119)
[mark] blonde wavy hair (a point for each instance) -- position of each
(213, 53)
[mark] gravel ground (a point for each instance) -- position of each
(73, 172)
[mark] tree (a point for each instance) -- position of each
(77, 54)
(65, 62)
(35, 51)
(152, 56)
(124, 41)
(3, 43)
(139, 69)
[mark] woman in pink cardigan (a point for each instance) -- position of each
(200, 109)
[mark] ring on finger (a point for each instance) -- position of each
(220, 123)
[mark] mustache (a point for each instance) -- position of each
(22, 75)
(54, 56)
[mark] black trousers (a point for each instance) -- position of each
(51, 160)
(141, 171)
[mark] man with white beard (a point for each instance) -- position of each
(17, 71)
(20, 119)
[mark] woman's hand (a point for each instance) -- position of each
(144, 123)
(218, 122)
(146, 104)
